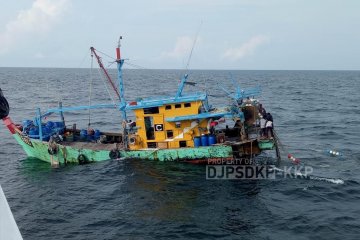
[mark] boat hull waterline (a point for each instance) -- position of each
(67, 154)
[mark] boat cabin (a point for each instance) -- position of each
(168, 122)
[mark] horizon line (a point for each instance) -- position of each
(195, 69)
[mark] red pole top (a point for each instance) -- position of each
(118, 53)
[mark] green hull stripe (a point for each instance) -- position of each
(39, 150)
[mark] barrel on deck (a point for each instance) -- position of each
(204, 140)
(49, 124)
(197, 141)
(34, 132)
(83, 134)
(46, 132)
(212, 139)
(27, 123)
(97, 134)
(59, 127)
(59, 124)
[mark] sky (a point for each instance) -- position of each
(228, 34)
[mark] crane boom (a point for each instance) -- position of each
(101, 65)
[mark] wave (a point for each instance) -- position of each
(310, 177)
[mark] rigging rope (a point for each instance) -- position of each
(102, 75)
(111, 63)
(136, 66)
(83, 59)
(281, 145)
(106, 54)
(127, 62)
(107, 89)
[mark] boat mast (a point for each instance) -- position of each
(120, 63)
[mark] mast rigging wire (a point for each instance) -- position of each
(127, 62)
(192, 48)
(136, 66)
(106, 55)
(106, 87)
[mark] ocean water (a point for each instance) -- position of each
(313, 111)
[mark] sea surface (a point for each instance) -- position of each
(314, 111)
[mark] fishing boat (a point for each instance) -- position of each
(183, 127)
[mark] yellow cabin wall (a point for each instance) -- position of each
(159, 118)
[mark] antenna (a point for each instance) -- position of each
(119, 42)
(192, 48)
(184, 78)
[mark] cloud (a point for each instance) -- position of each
(182, 47)
(245, 49)
(37, 19)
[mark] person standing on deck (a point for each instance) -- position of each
(262, 110)
(269, 117)
(262, 126)
(269, 129)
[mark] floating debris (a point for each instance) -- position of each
(334, 153)
(293, 159)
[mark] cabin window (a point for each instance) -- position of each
(182, 144)
(149, 128)
(187, 105)
(178, 124)
(168, 107)
(177, 105)
(151, 145)
(151, 110)
(169, 134)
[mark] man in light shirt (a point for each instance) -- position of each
(269, 128)
(262, 126)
